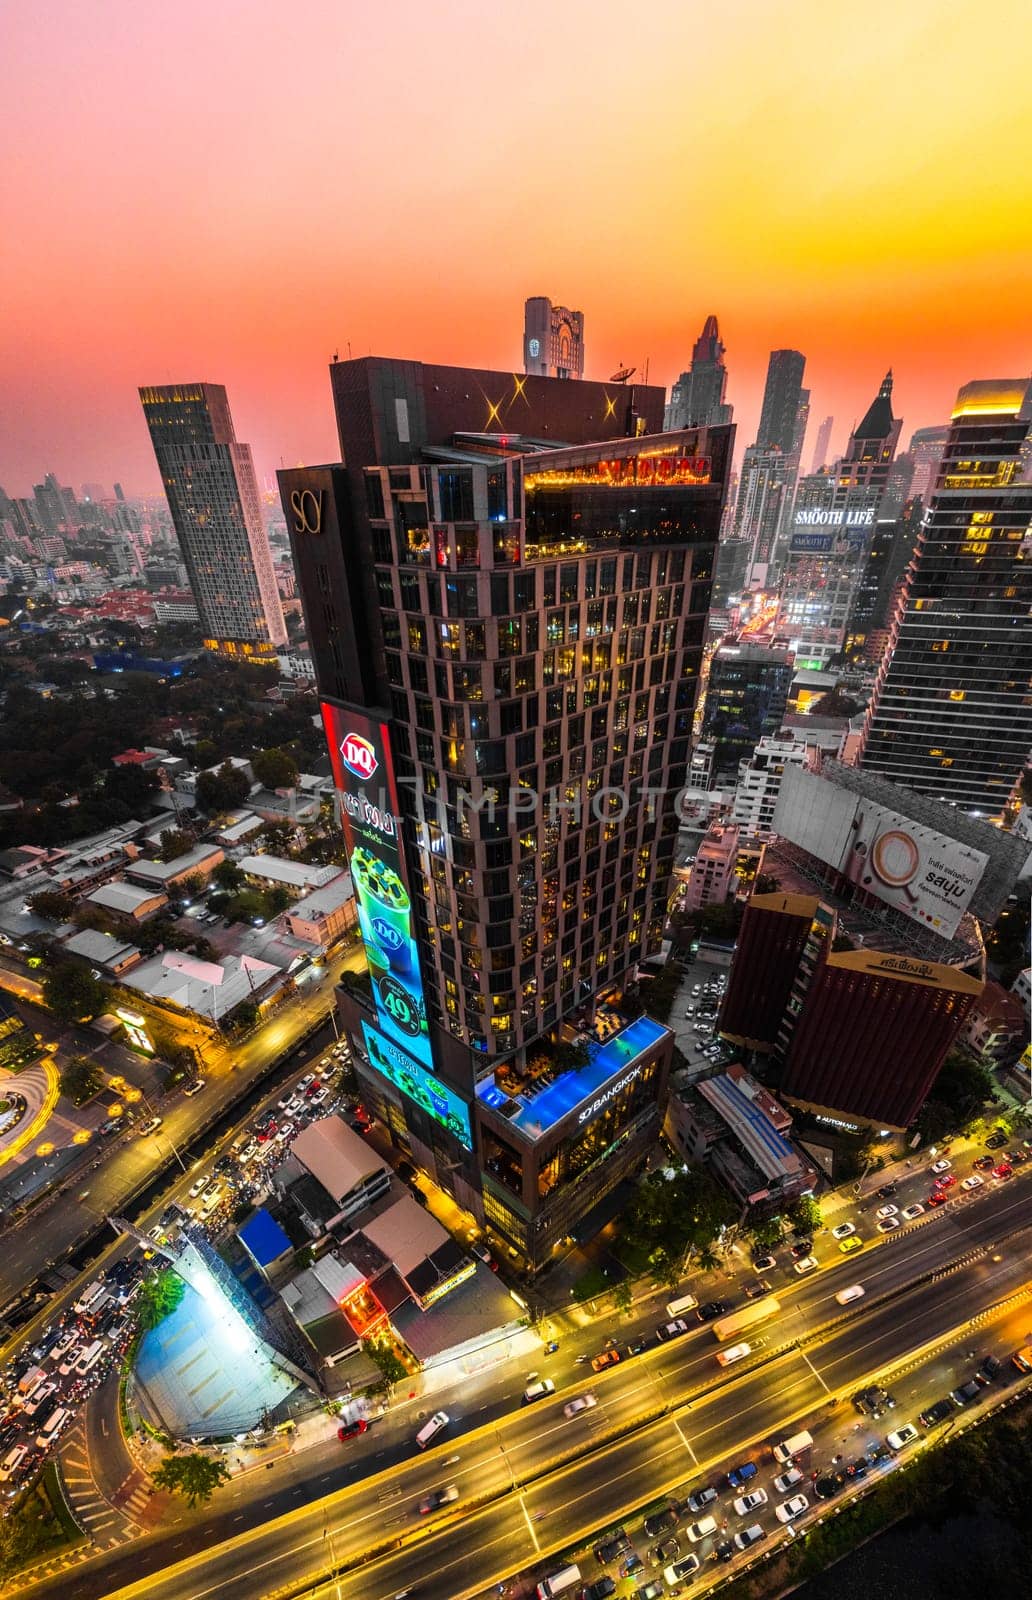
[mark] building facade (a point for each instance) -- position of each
(783, 392)
(697, 398)
(508, 640)
(951, 713)
(553, 339)
(746, 696)
(713, 877)
(212, 493)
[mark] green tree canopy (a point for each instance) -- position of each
(223, 789)
(73, 994)
(175, 842)
(158, 1297)
(80, 1080)
(804, 1214)
(275, 769)
(52, 904)
(229, 876)
(194, 1476)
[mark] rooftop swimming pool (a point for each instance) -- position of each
(535, 1114)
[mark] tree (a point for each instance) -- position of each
(835, 704)
(158, 1297)
(393, 1369)
(766, 1234)
(223, 789)
(80, 1080)
(623, 1296)
(175, 842)
(73, 994)
(52, 904)
(194, 1476)
(275, 769)
(805, 1215)
(229, 876)
(766, 883)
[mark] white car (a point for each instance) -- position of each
(788, 1510)
(198, 1187)
(887, 1224)
(285, 1131)
(788, 1480)
(582, 1402)
(808, 1264)
(904, 1435)
(854, 1292)
(749, 1502)
(941, 1166)
(734, 1352)
(976, 1181)
(886, 1211)
(910, 1212)
(843, 1230)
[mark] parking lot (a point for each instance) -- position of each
(694, 1013)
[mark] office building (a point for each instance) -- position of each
(769, 948)
(212, 493)
(823, 446)
(759, 782)
(713, 879)
(506, 589)
(889, 553)
(697, 398)
(925, 449)
(745, 700)
(553, 339)
(833, 520)
(951, 714)
(765, 492)
(783, 404)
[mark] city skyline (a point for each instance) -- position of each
(260, 298)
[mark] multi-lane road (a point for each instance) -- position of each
(542, 1481)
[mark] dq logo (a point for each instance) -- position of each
(388, 936)
(358, 755)
(306, 505)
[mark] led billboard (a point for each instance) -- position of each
(364, 777)
(419, 1085)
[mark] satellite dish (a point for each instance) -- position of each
(623, 374)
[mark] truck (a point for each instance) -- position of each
(758, 1311)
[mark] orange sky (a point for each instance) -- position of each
(230, 189)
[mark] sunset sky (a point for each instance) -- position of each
(229, 190)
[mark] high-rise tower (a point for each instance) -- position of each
(697, 398)
(508, 640)
(823, 445)
(782, 397)
(951, 714)
(771, 465)
(209, 482)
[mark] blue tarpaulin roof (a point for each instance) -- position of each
(263, 1237)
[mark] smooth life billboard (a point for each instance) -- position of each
(364, 777)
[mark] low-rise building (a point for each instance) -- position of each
(997, 1025)
(110, 956)
(200, 862)
(208, 989)
(733, 1126)
(349, 1170)
(1022, 987)
(129, 900)
(324, 915)
(712, 880)
(759, 783)
(300, 876)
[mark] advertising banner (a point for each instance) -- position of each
(419, 1085)
(923, 873)
(364, 777)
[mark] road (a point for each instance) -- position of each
(48, 1237)
(264, 1532)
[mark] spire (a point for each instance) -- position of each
(708, 347)
(877, 424)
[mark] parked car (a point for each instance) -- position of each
(903, 1435)
(964, 1393)
(195, 1087)
(932, 1415)
(807, 1264)
(352, 1430)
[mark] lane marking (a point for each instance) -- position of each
(530, 1525)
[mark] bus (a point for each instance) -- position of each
(749, 1316)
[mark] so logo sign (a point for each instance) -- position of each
(307, 506)
(358, 756)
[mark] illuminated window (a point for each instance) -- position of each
(957, 694)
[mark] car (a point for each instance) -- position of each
(741, 1475)
(703, 1529)
(975, 1181)
(678, 1570)
(712, 1309)
(352, 1430)
(991, 1368)
(195, 1087)
(648, 1591)
(265, 1131)
(910, 1212)
(873, 1401)
(150, 1126)
(886, 1211)
(996, 1140)
(734, 1352)
(855, 1291)
(285, 1131)
(788, 1510)
(802, 1248)
(829, 1484)
(932, 1415)
(724, 1551)
(858, 1468)
(938, 1197)
(941, 1166)
(606, 1358)
(843, 1230)
(763, 1263)
(747, 1536)
(756, 1291)
(664, 1551)
(964, 1393)
(788, 1480)
(1017, 1158)
(660, 1522)
(854, 1242)
(438, 1498)
(613, 1545)
(672, 1330)
(750, 1502)
(1021, 1362)
(807, 1264)
(985, 1163)
(197, 1187)
(1004, 1170)
(946, 1182)
(600, 1589)
(699, 1499)
(889, 1225)
(581, 1402)
(887, 1190)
